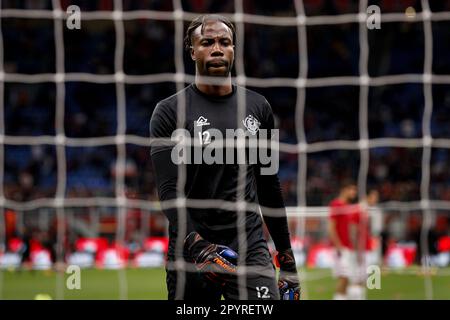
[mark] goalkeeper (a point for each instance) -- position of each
(210, 244)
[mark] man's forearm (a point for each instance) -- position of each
(278, 228)
(274, 212)
(166, 174)
(355, 237)
(333, 236)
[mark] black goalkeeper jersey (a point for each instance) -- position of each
(217, 181)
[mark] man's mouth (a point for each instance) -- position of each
(216, 64)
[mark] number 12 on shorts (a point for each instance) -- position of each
(262, 292)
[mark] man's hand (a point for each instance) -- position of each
(216, 262)
(288, 282)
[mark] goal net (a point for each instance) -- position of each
(352, 99)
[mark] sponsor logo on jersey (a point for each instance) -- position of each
(202, 121)
(252, 124)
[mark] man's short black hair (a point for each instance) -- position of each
(200, 21)
(347, 182)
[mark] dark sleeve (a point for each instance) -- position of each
(162, 124)
(270, 196)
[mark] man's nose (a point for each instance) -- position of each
(216, 49)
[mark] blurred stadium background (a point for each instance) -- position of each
(76, 182)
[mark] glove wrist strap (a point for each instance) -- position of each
(195, 244)
(286, 260)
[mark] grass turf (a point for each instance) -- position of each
(150, 284)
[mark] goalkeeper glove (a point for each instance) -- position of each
(216, 262)
(288, 283)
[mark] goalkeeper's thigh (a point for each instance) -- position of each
(260, 282)
(195, 288)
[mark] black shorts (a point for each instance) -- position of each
(260, 284)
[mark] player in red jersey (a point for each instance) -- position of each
(361, 230)
(342, 217)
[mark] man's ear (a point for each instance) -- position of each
(192, 53)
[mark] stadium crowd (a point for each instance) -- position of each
(331, 112)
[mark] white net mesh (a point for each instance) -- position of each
(302, 148)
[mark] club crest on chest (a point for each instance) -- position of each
(252, 124)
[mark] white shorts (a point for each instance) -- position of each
(347, 266)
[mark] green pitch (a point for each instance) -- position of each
(150, 284)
